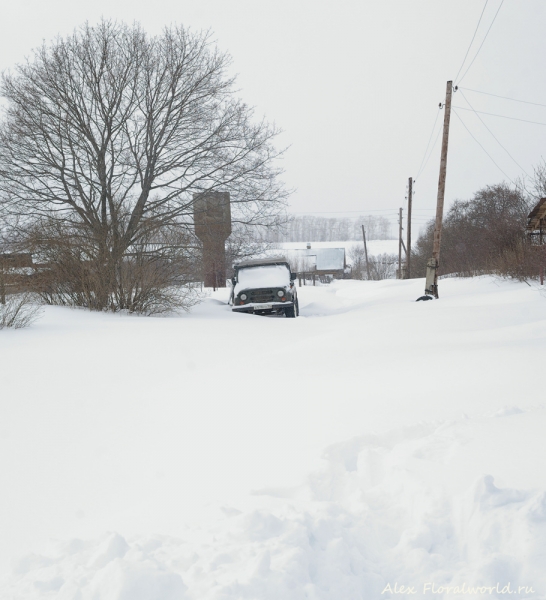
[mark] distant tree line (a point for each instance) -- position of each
(309, 228)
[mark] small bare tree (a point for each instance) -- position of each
(19, 310)
(538, 183)
(382, 266)
(107, 136)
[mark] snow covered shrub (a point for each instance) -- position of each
(18, 311)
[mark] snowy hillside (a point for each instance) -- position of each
(374, 441)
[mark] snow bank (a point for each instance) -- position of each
(105, 569)
(198, 440)
(382, 510)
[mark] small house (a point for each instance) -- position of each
(536, 223)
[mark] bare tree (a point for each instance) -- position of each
(382, 266)
(246, 242)
(109, 133)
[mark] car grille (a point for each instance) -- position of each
(262, 296)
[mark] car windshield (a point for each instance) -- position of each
(262, 277)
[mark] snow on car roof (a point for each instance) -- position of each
(262, 276)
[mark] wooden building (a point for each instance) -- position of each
(536, 223)
(536, 230)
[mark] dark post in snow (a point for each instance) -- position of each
(431, 286)
(366, 253)
(408, 244)
(212, 219)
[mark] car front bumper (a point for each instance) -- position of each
(253, 307)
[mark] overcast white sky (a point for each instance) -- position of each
(355, 85)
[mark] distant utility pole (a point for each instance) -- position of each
(431, 286)
(400, 244)
(408, 244)
(366, 252)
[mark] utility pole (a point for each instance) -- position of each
(408, 244)
(366, 253)
(541, 241)
(400, 242)
(431, 286)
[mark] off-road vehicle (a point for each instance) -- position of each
(264, 286)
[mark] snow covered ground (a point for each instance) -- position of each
(373, 443)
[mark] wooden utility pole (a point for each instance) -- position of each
(400, 242)
(366, 253)
(408, 244)
(541, 241)
(432, 266)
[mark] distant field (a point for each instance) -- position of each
(374, 246)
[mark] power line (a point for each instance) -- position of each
(483, 42)
(431, 151)
(338, 212)
(480, 145)
(481, 112)
(428, 144)
(503, 97)
(472, 40)
(494, 136)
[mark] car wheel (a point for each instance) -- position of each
(290, 312)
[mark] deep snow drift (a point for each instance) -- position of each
(181, 458)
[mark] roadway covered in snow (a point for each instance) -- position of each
(373, 441)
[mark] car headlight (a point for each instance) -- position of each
(280, 293)
(243, 296)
